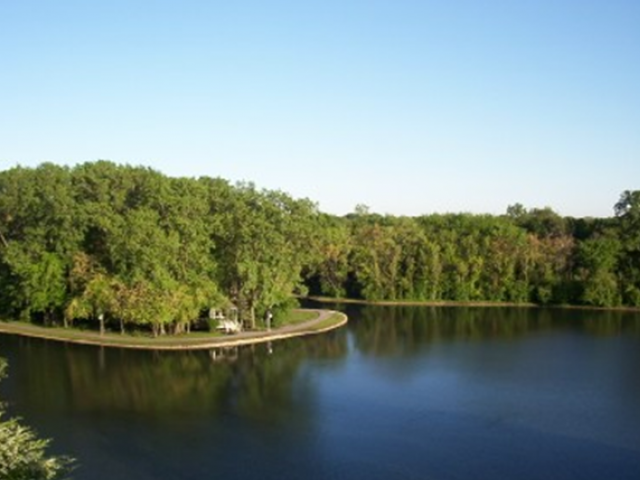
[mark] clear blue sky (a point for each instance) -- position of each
(409, 107)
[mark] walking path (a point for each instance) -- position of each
(325, 321)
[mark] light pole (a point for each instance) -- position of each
(269, 317)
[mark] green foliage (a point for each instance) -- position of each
(122, 246)
(628, 215)
(39, 278)
(334, 246)
(263, 243)
(597, 265)
(525, 256)
(23, 454)
(127, 247)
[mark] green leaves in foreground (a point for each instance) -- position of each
(22, 453)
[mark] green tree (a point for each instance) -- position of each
(40, 233)
(38, 280)
(542, 222)
(334, 247)
(263, 242)
(627, 211)
(375, 260)
(597, 260)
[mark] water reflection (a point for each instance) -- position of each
(263, 381)
(397, 330)
(254, 382)
(401, 392)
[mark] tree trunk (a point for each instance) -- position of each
(4, 240)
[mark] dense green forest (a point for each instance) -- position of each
(125, 247)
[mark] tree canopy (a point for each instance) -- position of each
(125, 247)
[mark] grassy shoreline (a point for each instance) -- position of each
(322, 321)
(474, 304)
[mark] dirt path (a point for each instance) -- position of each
(325, 321)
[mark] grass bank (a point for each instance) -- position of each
(300, 322)
(414, 303)
(417, 303)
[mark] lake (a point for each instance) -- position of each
(399, 393)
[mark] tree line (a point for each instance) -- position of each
(524, 256)
(125, 247)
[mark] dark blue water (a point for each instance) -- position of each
(424, 393)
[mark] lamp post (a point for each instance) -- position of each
(269, 318)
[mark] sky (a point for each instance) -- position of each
(407, 106)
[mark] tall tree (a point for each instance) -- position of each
(627, 211)
(597, 263)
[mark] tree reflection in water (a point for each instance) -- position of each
(265, 382)
(255, 382)
(399, 391)
(400, 330)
